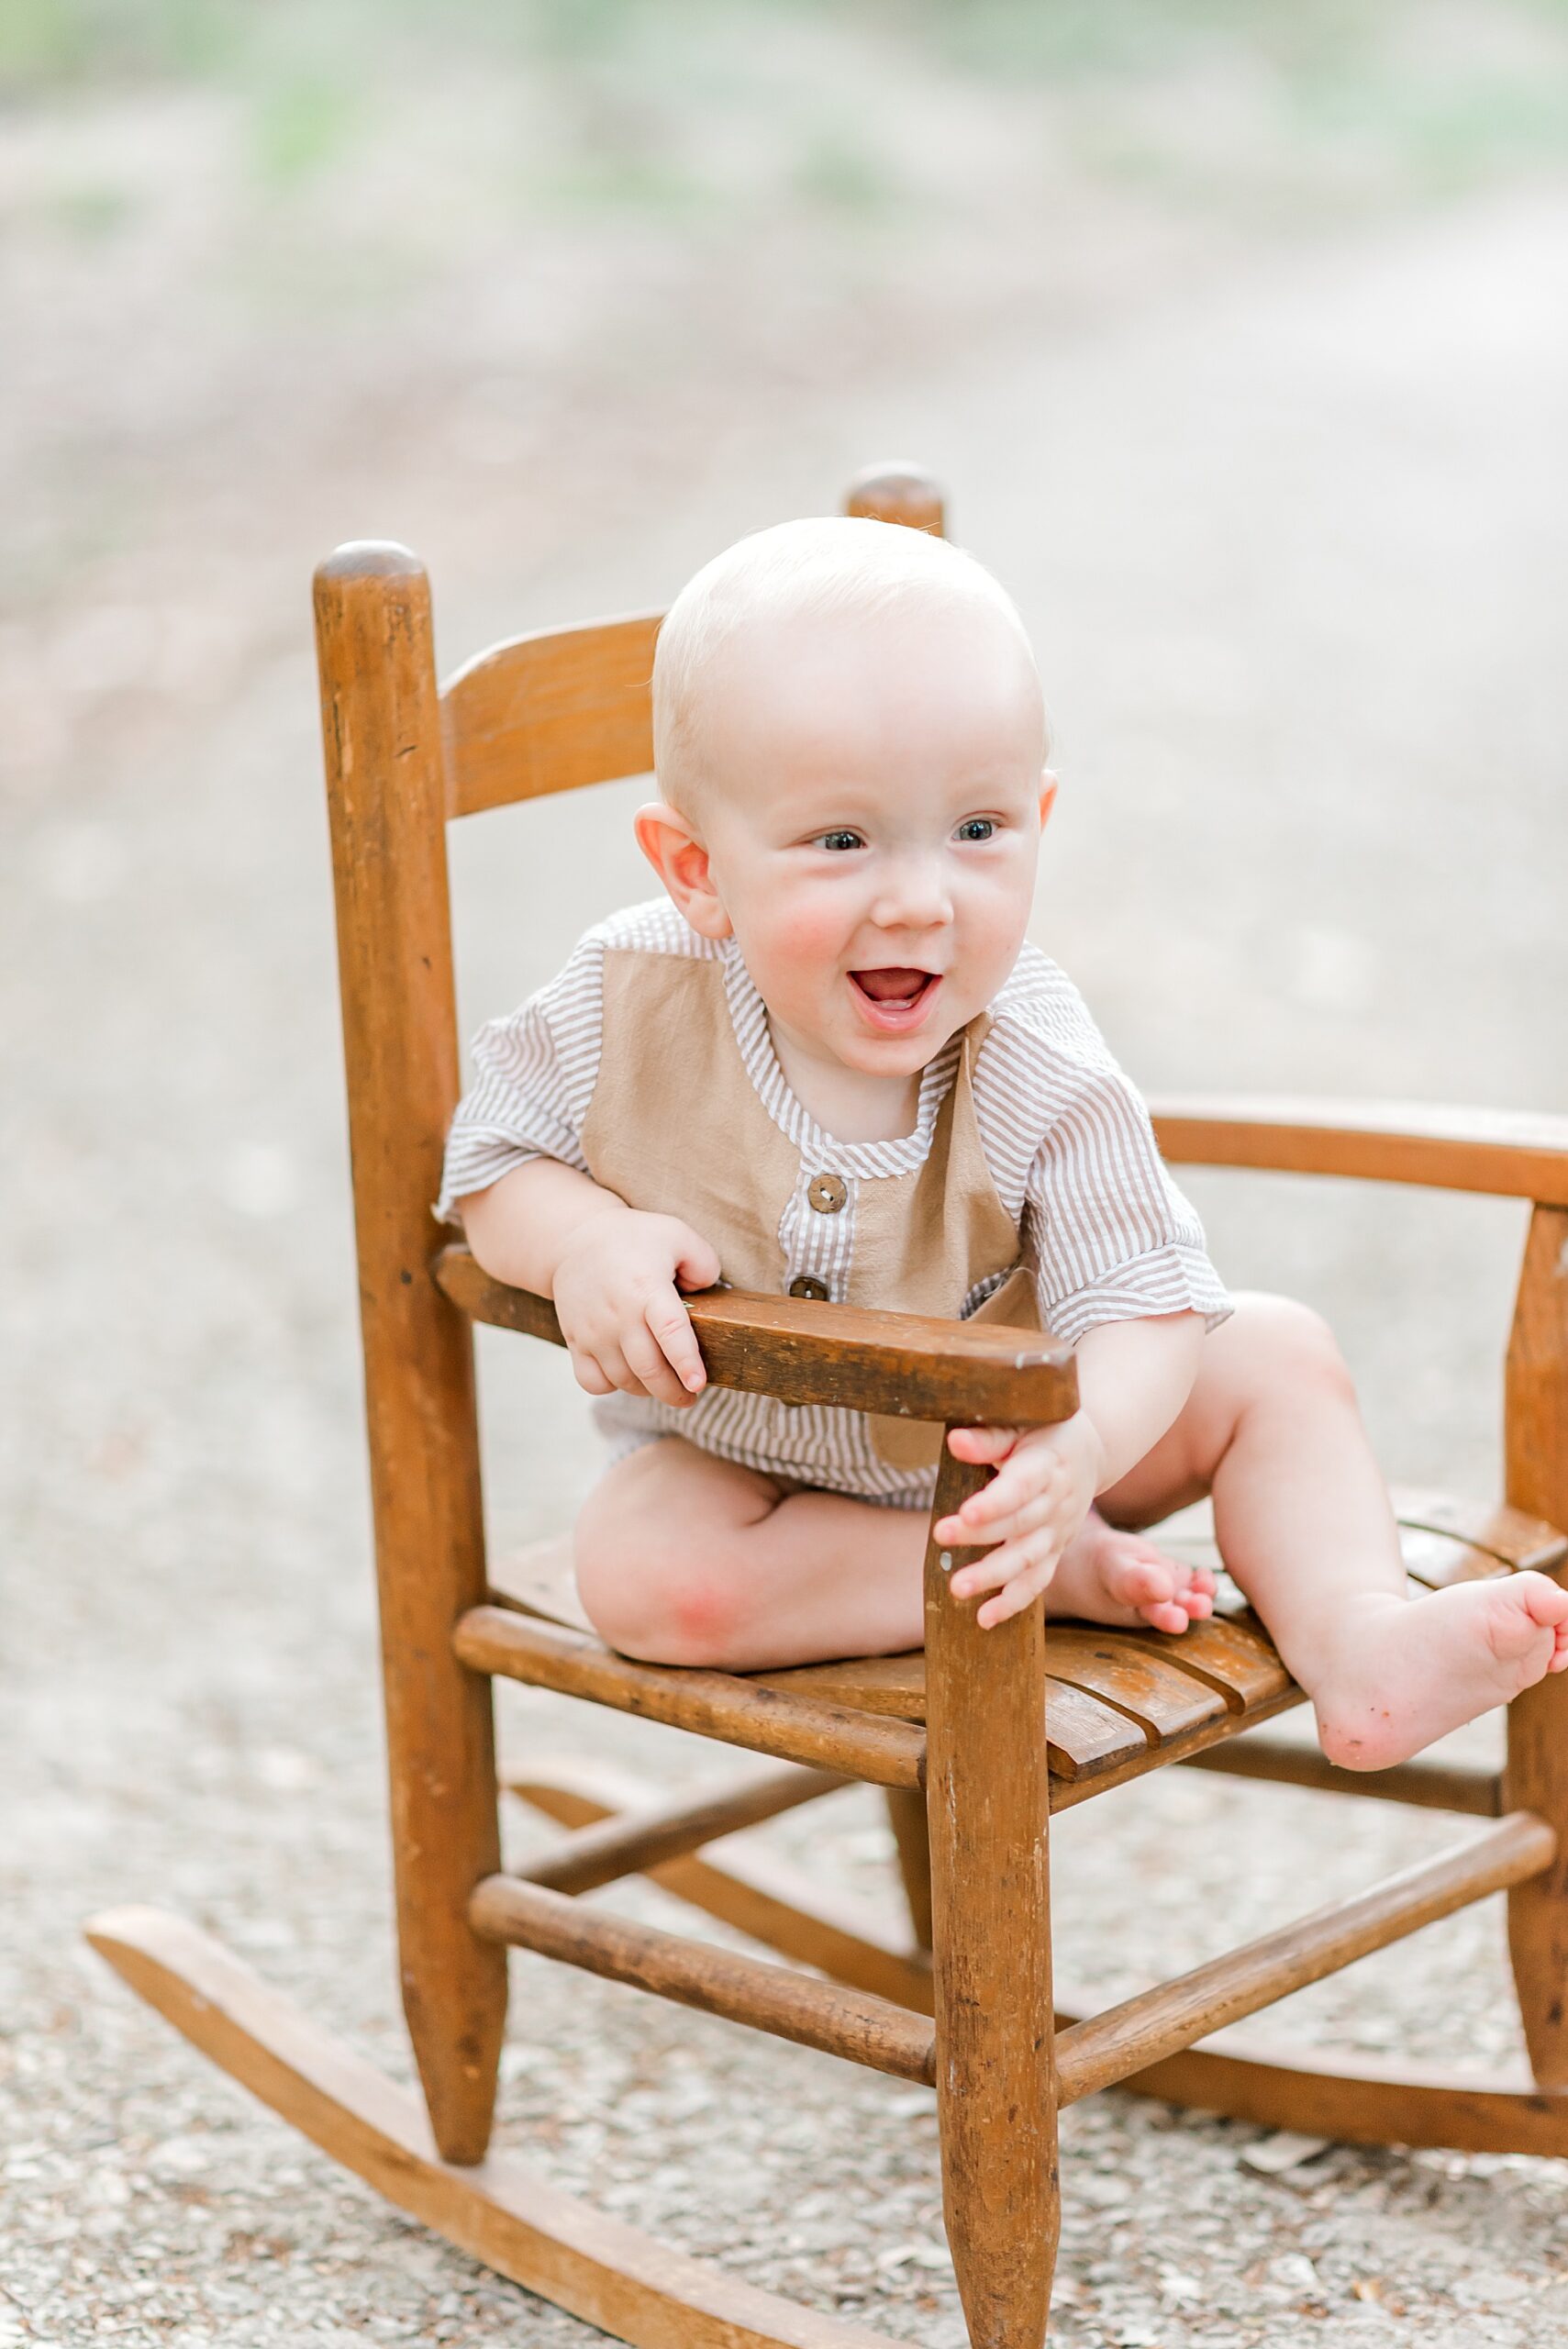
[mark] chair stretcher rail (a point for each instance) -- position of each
(1128, 2038)
(853, 2023)
(645, 1839)
(1112, 2046)
(1429, 1785)
(898, 1364)
(829, 1737)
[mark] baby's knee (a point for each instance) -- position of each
(1288, 1344)
(663, 1601)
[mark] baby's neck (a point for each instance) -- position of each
(846, 1102)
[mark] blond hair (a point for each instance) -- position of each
(826, 568)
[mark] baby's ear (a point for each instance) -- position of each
(669, 842)
(1047, 796)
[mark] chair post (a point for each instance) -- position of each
(381, 722)
(987, 1790)
(912, 1840)
(896, 490)
(1536, 1777)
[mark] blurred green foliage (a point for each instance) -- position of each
(1442, 92)
(45, 42)
(299, 121)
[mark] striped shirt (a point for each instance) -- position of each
(1066, 1140)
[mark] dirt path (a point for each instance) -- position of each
(1290, 528)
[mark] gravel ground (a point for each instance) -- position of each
(1283, 503)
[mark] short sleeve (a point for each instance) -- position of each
(1113, 1238)
(535, 1074)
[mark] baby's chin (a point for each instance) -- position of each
(882, 1055)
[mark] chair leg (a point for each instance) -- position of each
(988, 1792)
(1536, 1777)
(387, 794)
(906, 1814)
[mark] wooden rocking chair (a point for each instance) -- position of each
(965, 2003)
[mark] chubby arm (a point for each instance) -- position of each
(610, 1270)
(1133, 1379)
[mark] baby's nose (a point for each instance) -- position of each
(912, 896)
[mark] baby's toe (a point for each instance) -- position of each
(1142, 1579)
(1165, 1616)
(1521, 1612)
(1541, 1600)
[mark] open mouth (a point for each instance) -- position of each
(894, 998)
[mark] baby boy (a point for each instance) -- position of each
(827, 1062)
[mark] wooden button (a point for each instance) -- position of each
(827, 1193)
(806, 1285)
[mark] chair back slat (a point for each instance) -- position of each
(550, 711)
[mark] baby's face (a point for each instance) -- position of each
(871, 818)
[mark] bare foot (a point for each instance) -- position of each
(1109, 1576)
(1408, 1670)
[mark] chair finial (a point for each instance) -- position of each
(370, 558)
(897, 491)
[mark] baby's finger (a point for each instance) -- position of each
(1039, 1552)
(619, 1372)
(1022, 1591)
(1020, 1481)
(1036, 1515)
(698, 1265)
(588, 1375)
(671, 1325)
(645, 1360)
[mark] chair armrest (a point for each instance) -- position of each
(1512, 1155)
(901, 1364)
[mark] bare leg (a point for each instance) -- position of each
(685, 1559)
(1306, 1528)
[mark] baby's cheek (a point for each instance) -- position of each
(812, 934)
(803, 941)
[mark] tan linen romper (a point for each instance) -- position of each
(675, 1127)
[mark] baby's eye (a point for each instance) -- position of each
(839, 840)
(976, 827)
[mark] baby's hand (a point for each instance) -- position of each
(620, 1315)
(1040, 1494)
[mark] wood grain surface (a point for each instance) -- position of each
(1429, 1785)
(712, 1704)
(1513, 1154)
(896, 490)
(825, 2015)
(904, 1365)
(386, 799)
(550, 711)
(499, 2211)
(758, 1891)
(650, 1834)
(1141, 2031)
(988, 1799)
(1536, 1456)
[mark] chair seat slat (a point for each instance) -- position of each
(1226, 1653)
(1112, 1697)
(1138, 1680)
